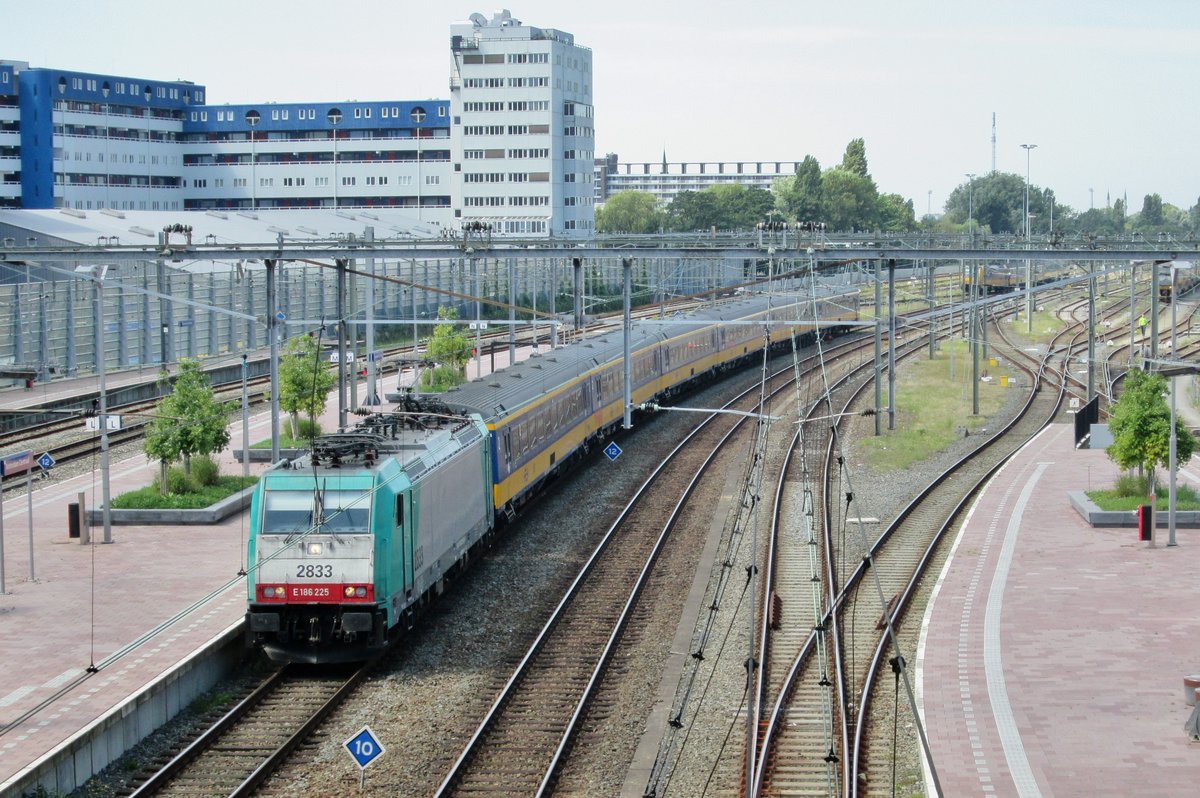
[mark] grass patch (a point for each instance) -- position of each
(209, 701)
(1130, 491)
(1045, 326)
(285, 442)
(932, 410)
(149, 498)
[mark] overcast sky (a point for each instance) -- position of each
(1109, 90)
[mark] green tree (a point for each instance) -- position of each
(1119, 215)
(1152, 212)
(187, 422)
(851, 201)
(1096, 222)
(1141, 426)
(896, 213)
(629, 212)
(854, 160)
(450, 347)
(997, 201)
(798, 196)
(740, 207)
(693, 210)
(304, 380)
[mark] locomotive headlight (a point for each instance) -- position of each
(360, 592)
(349, 591)
(315, 548)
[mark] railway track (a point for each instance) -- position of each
(235, 755)
(815, 738)
(521, 744)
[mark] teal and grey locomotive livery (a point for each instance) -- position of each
(356, 535)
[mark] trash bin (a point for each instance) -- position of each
(1145, 523)
(73, 520)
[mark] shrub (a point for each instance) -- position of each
(177, 482)
(308, 429)
(1131, 485)
(205, 471)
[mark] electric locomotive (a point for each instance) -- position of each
(350, 540)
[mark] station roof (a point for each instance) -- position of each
(65, 226)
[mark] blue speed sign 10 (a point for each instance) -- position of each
(364, 747)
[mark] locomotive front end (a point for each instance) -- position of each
(312, 590)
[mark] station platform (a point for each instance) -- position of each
(1052, 653)
(159, 594)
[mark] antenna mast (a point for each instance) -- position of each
(993, 142)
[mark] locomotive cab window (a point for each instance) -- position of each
(346, 511)
(287, 512)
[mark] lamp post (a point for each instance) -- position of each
(1028, 263)
(1173, 463)
(971, 206)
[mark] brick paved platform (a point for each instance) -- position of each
(1053, 655)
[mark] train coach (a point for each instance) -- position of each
(1008, 278)
(1177, 279)
(349, 542)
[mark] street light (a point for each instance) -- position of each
(1028, 263)
(1173, 464)
(971, 206)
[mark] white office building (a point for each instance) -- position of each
(522, 135)
(666, 180)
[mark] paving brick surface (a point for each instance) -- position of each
(1063, 675)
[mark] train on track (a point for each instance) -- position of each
(349, 542)
(1176, 279)
(1006, 278)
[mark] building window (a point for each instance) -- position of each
(432, 180)
(348, 181)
